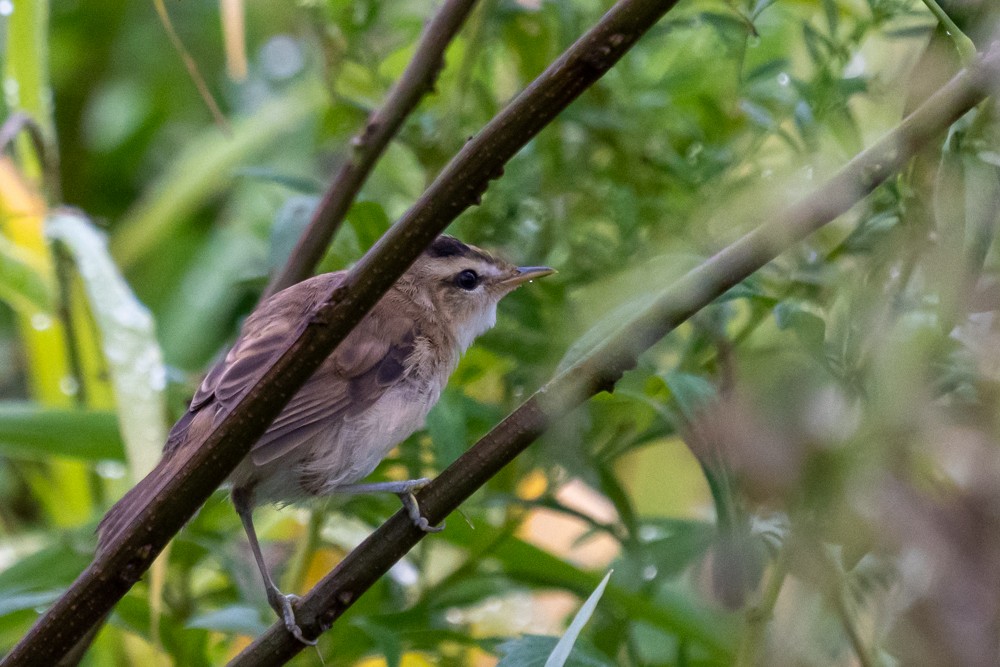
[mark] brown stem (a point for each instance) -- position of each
(367, 146)
(602, 367)
(193, 477)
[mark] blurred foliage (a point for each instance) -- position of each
(805, 473)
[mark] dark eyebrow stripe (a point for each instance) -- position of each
(449, 246)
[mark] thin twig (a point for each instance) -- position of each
(603, 366)
(191, 66)
(757, 617)
(191, 477)
(367, 147)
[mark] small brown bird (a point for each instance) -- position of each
(368, 396)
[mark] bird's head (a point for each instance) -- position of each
(463, 284)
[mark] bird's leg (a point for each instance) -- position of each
(405, 491)
(280, 603)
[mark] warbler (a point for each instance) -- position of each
(369, 395)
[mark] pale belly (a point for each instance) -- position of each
(343, 454)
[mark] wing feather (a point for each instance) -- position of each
(349, 382)
(355, 376)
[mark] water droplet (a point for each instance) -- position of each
(753, 42)
(11, 92)
(6, 7)
(405, 573)
(158, 378)
(649, 533)
(855, 67)
(69, 385)
(693, 151)
(454, 616)
(649, 572)
(784, 79)
(282, 57)
(110, 469)
(40, 321)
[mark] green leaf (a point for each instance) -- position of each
(674, 544)
(21, 601)
(369, 221)
(760, 7)
(206, 165)
(691, 392)
(870, 233)
(27, 429)
(291, 220)
(128, 340)
(21, 285)
(446, 424)
(560, 654)
(807, 325)
(300, 184)
(674, 611)
(730, 26)
(534, 651)
(240, 619)
(38, 578)
(832, 15)
(26, 63)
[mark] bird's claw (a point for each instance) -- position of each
(287, 614)
(425, 525)
(413, 509)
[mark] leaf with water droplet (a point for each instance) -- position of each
(128, 340)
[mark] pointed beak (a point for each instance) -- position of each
(527, 274)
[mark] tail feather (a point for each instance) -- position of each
(133, 503)
(188, 430)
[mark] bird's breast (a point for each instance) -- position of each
(353, 450)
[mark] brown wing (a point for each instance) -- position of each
(364, 365)
(353, 378)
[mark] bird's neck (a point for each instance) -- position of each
(447, 340)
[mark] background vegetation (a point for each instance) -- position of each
(805, 473)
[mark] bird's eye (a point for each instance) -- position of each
(467, 280)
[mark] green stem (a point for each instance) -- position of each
(838, 595)
(964, 45)
(758, 616)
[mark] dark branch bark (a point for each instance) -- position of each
(604, 365)
(366, 148)
(460, 185)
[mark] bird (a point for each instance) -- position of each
(371, 393)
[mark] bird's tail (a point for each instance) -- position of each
(132, 504)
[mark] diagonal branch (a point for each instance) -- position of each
(459, 185)
(366, 148)
(604, 365)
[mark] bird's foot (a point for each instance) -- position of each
(413, 508)
(282, 605)
(404, 490)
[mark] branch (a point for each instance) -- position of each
(368, 146)
(605, 364)
(210, 461)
